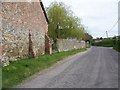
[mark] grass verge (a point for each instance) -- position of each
(19, 71)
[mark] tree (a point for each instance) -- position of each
(101, 38)
(63, 24)
(87, 36)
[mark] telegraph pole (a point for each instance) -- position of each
(107, 34)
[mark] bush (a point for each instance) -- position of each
(104, 43)
(117, 45)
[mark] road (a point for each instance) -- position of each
(95, 68)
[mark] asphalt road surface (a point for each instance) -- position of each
(95, 68)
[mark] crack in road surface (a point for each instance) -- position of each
(95, 68)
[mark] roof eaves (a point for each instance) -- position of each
(44, 11)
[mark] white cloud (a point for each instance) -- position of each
(98, 15)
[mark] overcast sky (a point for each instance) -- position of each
(98, 16)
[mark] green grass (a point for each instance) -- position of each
(88, 46)
(0, 78)
(19, 71)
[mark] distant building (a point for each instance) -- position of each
(119, 18)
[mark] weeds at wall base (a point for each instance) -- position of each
(21, 70)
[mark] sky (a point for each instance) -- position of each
(98, 16)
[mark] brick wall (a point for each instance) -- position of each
(18, 20)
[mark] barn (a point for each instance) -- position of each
(24, 28)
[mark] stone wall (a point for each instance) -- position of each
(69, 44)
(19, 19)
(0, 35)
